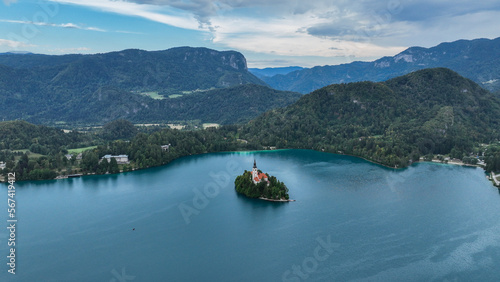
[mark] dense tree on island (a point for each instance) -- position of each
(275, 189)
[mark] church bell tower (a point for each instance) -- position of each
(255, 173)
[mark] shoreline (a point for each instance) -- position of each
(269, 151)
(453, 163)
(273, 200)
(493, 178)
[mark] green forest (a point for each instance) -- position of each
(492, 158)
(215, 87)
(50, 156)
(416, 117)
(428, 112)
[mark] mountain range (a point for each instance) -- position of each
(269, 72)
(176, 69)
(477, 59)
(142, 86)
(187, 83)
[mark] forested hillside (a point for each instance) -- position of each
(19, 135)
(395, 123)
(433, 111)
(132, 84)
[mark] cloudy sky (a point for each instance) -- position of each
(267, 32)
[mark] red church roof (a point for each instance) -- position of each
(260, 176)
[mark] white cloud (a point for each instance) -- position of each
(320, 28)
(280, 28)
(63, 25)
(288, 36)
(8, 2)
(149, 12)
(13, 44)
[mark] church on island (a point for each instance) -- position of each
(257, 176)
(256, 184)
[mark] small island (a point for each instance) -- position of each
(256, 184)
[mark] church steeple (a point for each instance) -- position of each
(257, 176)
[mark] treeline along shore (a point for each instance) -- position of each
(429, 114)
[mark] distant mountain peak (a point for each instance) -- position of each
(16, 53)
(475, 59)
(269, 72)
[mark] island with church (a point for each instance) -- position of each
(256, 184)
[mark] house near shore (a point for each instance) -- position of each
(165, 148)
(120, 159)
(2, 165)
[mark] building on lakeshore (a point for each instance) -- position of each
(120, 159)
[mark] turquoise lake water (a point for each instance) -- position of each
(352, 221)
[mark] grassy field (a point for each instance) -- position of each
(147, 124)
(179, 94)
(173, 96)
(182, 93)
(31, 155)
(176, 126)
(207, 125)
(79, 150)
(153, 95)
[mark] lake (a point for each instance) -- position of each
(352, 221)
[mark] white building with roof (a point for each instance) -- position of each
(120, 159)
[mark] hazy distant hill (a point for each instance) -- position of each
(16, 52)
(268, 72)
(478, 60)
(102, 87)
(429, 111)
